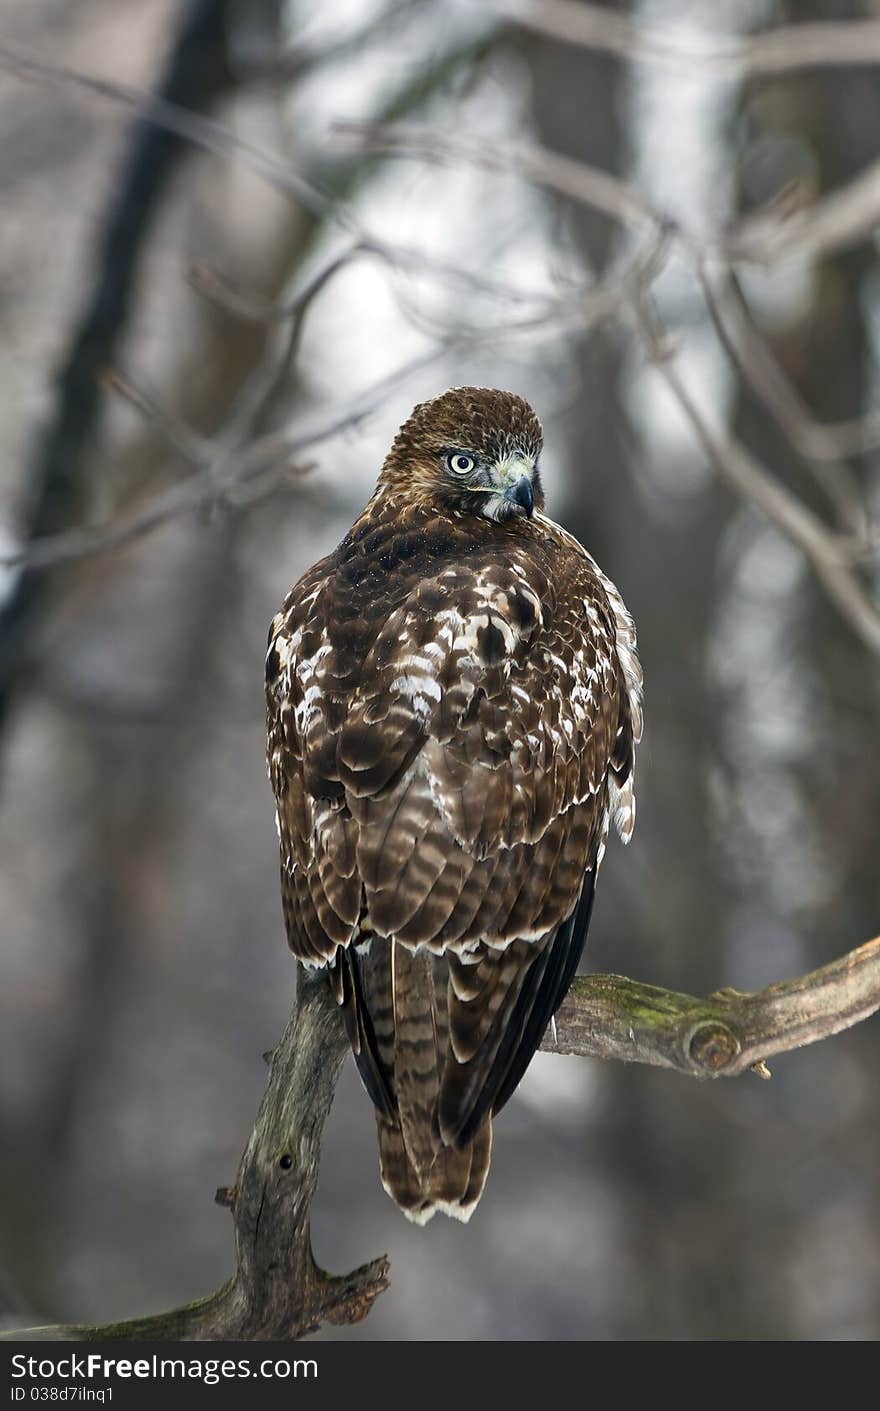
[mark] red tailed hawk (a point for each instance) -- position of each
(453, 699)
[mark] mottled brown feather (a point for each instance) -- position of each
(453, 703)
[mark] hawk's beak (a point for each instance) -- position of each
(522, 494)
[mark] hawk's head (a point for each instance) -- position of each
(472, 449)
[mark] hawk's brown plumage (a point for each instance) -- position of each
(453, 701)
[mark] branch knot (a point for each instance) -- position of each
(713, 1047)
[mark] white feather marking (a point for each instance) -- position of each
(492, 506)
(416, 1217)
(456, 1210)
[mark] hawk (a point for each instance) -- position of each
(454, 699)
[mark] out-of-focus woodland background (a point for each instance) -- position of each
(143, 963)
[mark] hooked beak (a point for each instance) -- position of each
(521, 493)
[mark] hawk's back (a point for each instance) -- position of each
(452, 710)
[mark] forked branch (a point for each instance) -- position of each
(278, 1291)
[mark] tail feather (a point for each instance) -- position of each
(420, 1171)
(347, 983)
(452, 1184)
(441, 1041)
(508, 975)
(567, 949)
(416, 1057)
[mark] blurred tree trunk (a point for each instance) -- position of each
(665, 927)
(129, 770)
(829, 119)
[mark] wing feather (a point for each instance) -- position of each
(446, 756)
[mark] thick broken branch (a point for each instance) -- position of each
(278, 1291)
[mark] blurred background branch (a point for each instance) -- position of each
(831, 555)
(196, 75)
(785, 49)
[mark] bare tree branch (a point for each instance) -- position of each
(398, 257)
(272, 455)
(161, 112)
(543, 168)
(829, 553)
(270, 63)
(818, 445)
(277, 1290)
(723, 1035)
(235, 471)
(195, 129)
(195, 76)
(785, 49)
(840, 219)
(89, 352)
(189, 445)
(214, 287)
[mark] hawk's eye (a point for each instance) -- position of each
(460, 464)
